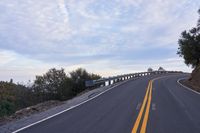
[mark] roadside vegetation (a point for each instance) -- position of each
(53, 85)
(189, 49)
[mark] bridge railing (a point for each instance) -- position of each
(116, 79)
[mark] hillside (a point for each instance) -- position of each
(194, 80)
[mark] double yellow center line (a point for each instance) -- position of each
(146, 103)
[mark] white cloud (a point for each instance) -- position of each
(6, 57)
(19, 67)
(91, 34)
(64, 10)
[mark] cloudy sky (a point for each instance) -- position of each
(108, 37)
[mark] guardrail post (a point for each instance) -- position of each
(101, 84)
(109, 82)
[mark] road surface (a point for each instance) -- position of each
(152, 104)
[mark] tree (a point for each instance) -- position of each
(79, 76)
(150, 70)
(94, 76)
(161, 69)
(11, 81)
(66, 90)
(189, 45)
(54, 85)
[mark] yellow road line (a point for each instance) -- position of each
(148, 96)
(134, 130)
(144, 124)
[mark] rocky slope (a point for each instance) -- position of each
(194, 80)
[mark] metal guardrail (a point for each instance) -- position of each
(115, 79)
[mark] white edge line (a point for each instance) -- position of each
(49, 117)
(178, 81)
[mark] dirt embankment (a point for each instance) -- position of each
(194, 80)
(29, 111)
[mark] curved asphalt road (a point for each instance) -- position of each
(173, 109)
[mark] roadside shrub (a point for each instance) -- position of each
(6, 108)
